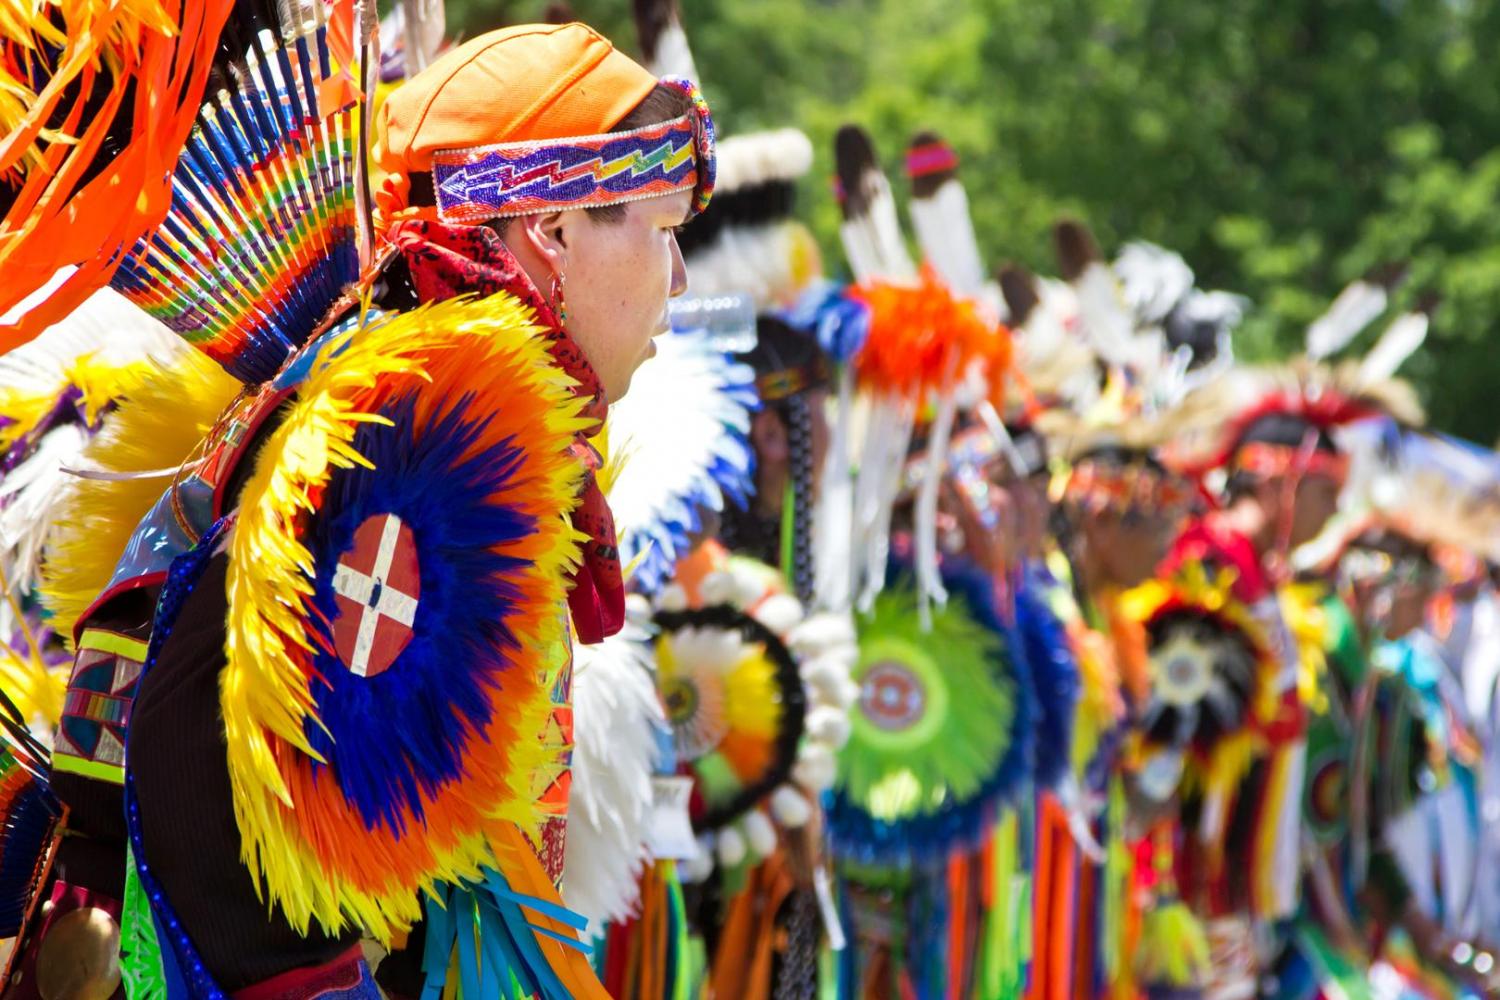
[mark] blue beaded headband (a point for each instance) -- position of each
(523, 178)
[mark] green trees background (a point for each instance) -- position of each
(1284, 147)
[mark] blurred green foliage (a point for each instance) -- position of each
(1283, 147)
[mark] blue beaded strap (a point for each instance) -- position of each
(185, 973)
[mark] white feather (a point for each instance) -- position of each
(1152, 279)
(715, 649)
(107, 328)
(1355, 308)
(945, 232)
(617, 717)
(29, 497)
(673, 55)
(873, 243)
(1107, 324)
(758, 261)
(1405, 334)
(106, 325)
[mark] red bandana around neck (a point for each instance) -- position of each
(448, 260)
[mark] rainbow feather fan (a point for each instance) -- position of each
(680, 440)
(396, 584)
(931, 749)
(259, 240)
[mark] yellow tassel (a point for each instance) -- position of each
(1173, 948)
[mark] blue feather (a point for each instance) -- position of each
(503, 959)
(1054, 673)
(840, 323)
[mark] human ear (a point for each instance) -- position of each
(544, 235)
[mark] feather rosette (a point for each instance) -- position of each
(384, 717)
(938, 738)
(1212, 673)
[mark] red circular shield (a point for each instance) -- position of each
(377, 585)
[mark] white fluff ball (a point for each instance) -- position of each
(672, 598)
(815, 768)
(732, 847)
(779, 613)
(826, 675)
(638, 609)
(717, 588)
(822, 632)
(790, 807)
(700, 866)
(760, 834)
(828, 725)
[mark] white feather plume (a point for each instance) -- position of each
(753, 158)
(673, 55)
(106, 325)
(1405, 334)
(616, 720)
(681, 437)
(770, 263)
(1152, 279)
(108, 330)
(945, 231)
(1355, 308)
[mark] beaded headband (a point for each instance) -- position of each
(1098, 486)
(930, 158)
(521, 178)
(1271, 461)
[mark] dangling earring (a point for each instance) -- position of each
(559, 302)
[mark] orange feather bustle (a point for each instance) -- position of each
(923, 338)
(57, 216)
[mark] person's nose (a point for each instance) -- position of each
(679, 271)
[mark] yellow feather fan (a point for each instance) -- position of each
(157, 425)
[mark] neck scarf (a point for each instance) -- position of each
(448, 260)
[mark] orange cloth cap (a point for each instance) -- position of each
(531, 81)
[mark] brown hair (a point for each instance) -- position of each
(663, 104)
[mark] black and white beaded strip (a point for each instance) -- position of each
(799, 452)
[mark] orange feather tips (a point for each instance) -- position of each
(925, 339)
(65, 66)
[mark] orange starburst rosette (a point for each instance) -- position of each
(923, 338)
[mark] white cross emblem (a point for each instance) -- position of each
(377, 587)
